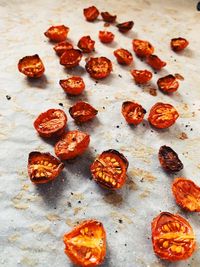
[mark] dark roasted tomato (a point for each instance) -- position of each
(109, 169)
(108, 17)
(72, 144)
(51, 123)
(178, 44)
(71, 58)
(155, 62)
(187, 194)
(141, 76)
(123, 56)
(99, 67)
(86, 44)
(106, 37)
(61, 47)
(169, 159)
(86, 244)
(172, 237)
(57, 33)
(91, 13)
(125, 26)
(133, 112)
(43, 167)
(82, 112)
(168, 84)
(73, 85)
(31, 66)
(162, 115)
(142, 48)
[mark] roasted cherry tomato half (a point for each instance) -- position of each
(179, 44)
(109, 169)
(57, 33)
(172, 237)
(71, 58)
(72, 144)
(82, 112)
(86, 44)
(125, 26)
(61, 47)
(155, 62)
(106, 37)
(91, 13)
(31, 66)
(133, 112)
(168, 84)
(73, 85)
(187, 194)
(162, 115)
(107, 17)
(51, 123)
(99, 67)
(142, 48)
(86, 244)
(123, 56)
(43, 167)
(141, 76)
(169, 159)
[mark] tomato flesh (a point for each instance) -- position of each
(106, 37)
(73, 85)
(168, 84)
(141, 76)
(179, 44)
(123, 56)
(91, 13)
(61, 47)
(125, 26)
(31, 66)
(133, 112)
(142, 48)
(86, 44)
(57, 33)
(155, 62)
(107, 17)
(71, 58)
(82, 112)
(99, 67)
(169, 159)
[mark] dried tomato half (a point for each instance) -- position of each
(178, 44)
(162, 115)
(51, 123)
(173, 238)
(109, 169)
(187, 194)
(86, 44)
(169, 159)
(142, 48)
(99, 67)
(57, 33)
(168, 84)
(133, 112)
(43, 167)
(61, 47)
(106, 37)
(82, 112)
(72, 144)
(141, 76)
(71, 58)
(123, 56)
(107, 17)
(125, 26)
(31, 66)
(91, 13)
(73, 85)
(155, 62)
(86, 244)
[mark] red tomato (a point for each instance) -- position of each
(82, 112)
(61, 47)
(168, 84)
(142, 48)
(179, 44)
(107, 17)
(106, 37)
(71, 58)
(31, 66)
(98, 67)
(73, 85)
(57, 33)
(155, 62)
(86, 44)
(133, 112)
(125, 26)
(123, 56)
(141, 76)
(91, 13)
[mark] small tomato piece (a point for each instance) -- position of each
(86, 44)
(107, 17)
(106, 37)
(155, 62)
(123, 56)
(71, 58)
(179, 44)
(73, 85)
(91, 13)
(168, 84)
(125, 26)
(82, 112)
(86, 244)
(57, 33)
(99, 67)
(141, 76)
(133, 112)
(142, 48)
(61, 47)
(31, 66)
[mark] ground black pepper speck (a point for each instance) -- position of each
(8, 97)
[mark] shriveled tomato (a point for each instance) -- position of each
(169, 159)
(86, 44)
(57, 33)
(155, 62)
(142, 48)
(61, 47)
(125, 26)
(162, 115)
(109, 169)
(82, 112)
(43, 167)
(133, 112)
(73, 85)
(172, 237)
(168, 84)
(187, 194)
(106, 37)
(71, 58)
(72, 144)
(123, 56)
(51, 123)
(91, 13)
(179, 44)
(108, 17)
(86, 244)
(141, 76)
(99, 67)
(31, 66)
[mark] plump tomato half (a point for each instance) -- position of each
(155, 62)
(187, 194)
(125, 26)
(162, 115)
(172, 237)
(86, 44)
(43, 167)
(133, 112)
(99, 67)
(82, 112)
(169, 159)
(142, 48)
(91, 13)
(178, 44)
(72, 144)
(51, 123)
(107, 17)
(168, 84)
(31, 66)
(123, 56)
(109, 169)
(73, 85)
(57, 33)
(86, 244)
(71, 58)
(141, 76)
(106, 37)
(61, 47)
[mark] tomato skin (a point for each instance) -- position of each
(168, 84)
(43, 167)
(173, 238)
(107, 17)
(178, 44)
(82, 112)
(125, 26)
(31, 66)
(51, 123)
(72, 144)
(106, 37)
(99, 67)
(86, 256)
(91, 13)
(57, 33)
(155, 62)
(61, 47)
(86, 44)
(71, 58)
(141, 76)
(133, 112)
(73, 85)
(123, 56)
(142, 48)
